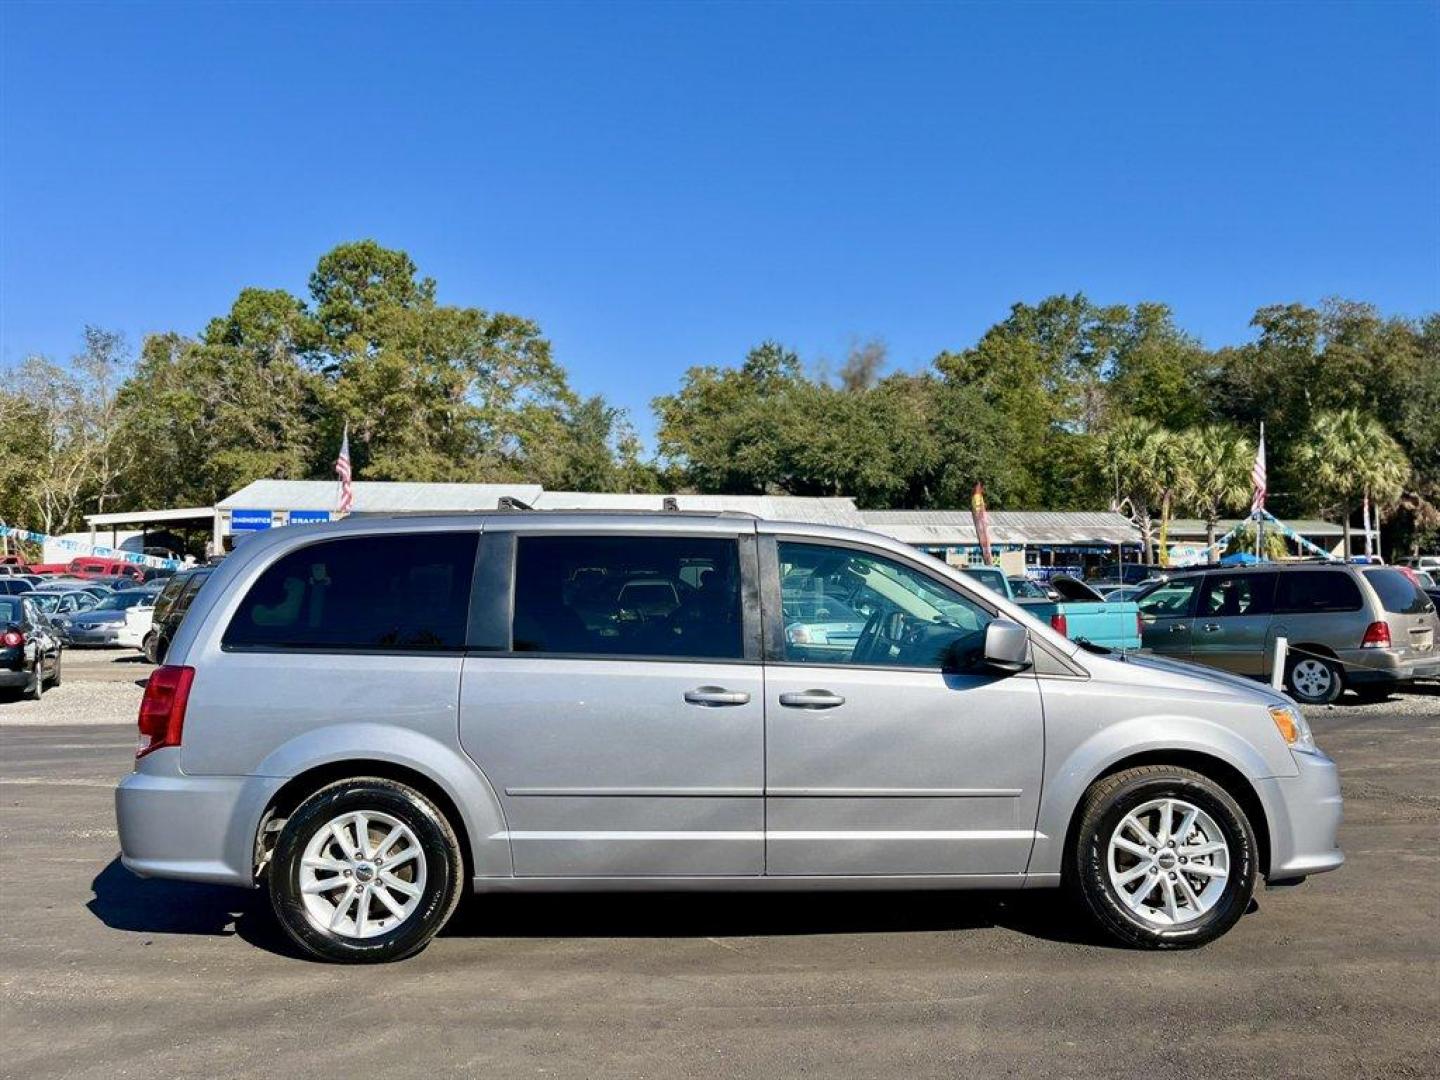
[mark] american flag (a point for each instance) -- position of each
(342, 470)
(1257, 476)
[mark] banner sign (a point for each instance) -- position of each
(1284, 530)
(308, 517)
(249, 520)
(91, 549)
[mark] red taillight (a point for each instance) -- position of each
(13, 639)
(1058, 623)
(1377, 636)
(162, 709)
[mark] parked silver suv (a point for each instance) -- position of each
(1370, 628)
(369, 716)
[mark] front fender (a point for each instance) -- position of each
(444, 765)
(1072, 765)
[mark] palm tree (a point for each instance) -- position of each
(1218, 460)
(1348, 456)
(1135, 453)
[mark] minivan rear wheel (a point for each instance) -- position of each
(365, 871)
(1163, 858)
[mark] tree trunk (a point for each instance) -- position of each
(1346, 530)
(1210, 524)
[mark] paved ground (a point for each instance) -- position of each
(105, 975)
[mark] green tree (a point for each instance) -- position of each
(1349, 456)
(1138, 456)
(1218, 462)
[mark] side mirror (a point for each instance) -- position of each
(1007, 646)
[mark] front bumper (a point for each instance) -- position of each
(89, 635)
(1304, 813)
(195, 828)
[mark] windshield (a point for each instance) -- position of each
(122, 600)
(47, 602)
(992, 579)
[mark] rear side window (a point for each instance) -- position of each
(1233, 595)
(1310, 592)
(1398, 594)
(187, 597)
(666, 596)
(400, 591)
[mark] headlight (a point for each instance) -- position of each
(1290, 722)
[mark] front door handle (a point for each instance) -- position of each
(811, 699)
(713, 696)
(1211, 628)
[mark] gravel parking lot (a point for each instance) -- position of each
(103, 974)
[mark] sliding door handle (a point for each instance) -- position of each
(811, 699)
(712, 696)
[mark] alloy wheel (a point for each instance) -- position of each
(1312, 678)
(1168, 862)
(362, 874)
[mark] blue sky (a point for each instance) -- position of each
(665, 185)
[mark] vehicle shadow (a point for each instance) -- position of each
(123, 901)
(1042, 914)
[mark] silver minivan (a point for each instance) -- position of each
(366, 718)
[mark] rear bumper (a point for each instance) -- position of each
(1304, 814)
(1380, 667)
(194, 828)
(12, 677)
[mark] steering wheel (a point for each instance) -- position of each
(886, 626)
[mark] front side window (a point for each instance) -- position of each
(397, 591)
(1172, 600)
(671, 596)
(1233, 595)
(844, 606)
(1309, 592)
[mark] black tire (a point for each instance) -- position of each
(1311, 667)
(36, 689)
(444, 877)
(55, 674)
(161, 648)
(1087, 871)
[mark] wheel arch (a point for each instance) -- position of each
(1215, 768)
(456, 787)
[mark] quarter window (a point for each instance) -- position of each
(843, 606)
(671, 596)
(404, 591)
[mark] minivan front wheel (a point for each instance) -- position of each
(1163, 857)
(365, 871)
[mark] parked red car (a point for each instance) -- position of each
(94, 566)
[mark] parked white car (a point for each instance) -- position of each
(131, 633)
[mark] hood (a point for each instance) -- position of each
(1074, 589)
(1160, 673)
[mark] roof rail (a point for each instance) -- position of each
(510, 502)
